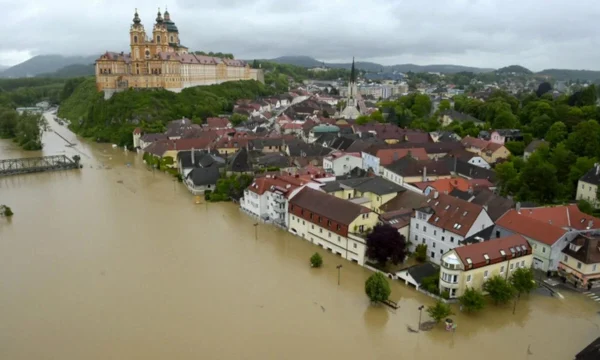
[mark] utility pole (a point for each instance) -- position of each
(339, 267)
(255, 231)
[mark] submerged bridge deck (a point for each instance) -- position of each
(38, 164)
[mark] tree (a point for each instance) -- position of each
(377, 288)
(385, 244)
(421, 106)
(439, 311)
(585, 139)
(516, 148)
(522, 281)
(499, 289)
(472, 300)
(237, 119)
(556, 133)
(316, 260)
(377, 116)
(540, 125)
(585, 207)
(508, 178)
(362, 120)
(421, 252)
(444, 105)
(505, 120)
(543, 88)
(6, 211)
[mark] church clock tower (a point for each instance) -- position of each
(137, 36)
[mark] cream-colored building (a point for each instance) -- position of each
(376, 189)
(587, 187)
(488, 150)
(335, 224)
(580, 261)
(161, 61)
(470, 266)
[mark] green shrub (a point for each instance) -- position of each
(316, 260)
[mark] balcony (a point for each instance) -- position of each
(279, 209)
(450, 285)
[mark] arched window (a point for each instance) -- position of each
(158, 39)
(171, 38)
(135, 39)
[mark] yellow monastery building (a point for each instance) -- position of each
(162, 62)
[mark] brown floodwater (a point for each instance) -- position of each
(117, 262)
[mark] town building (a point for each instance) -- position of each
(533, 146)
(580, 261)
(341, 163)
(267, 197)
(502, 136)
(408, 170)
(443, 222)
(490, 151)
(199, 180)
(587, 186)
(450, 116)
(470, 266)
(335, 224)
(376, 158)
(372, 192)
(161, 61)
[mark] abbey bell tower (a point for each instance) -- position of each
(137, 36)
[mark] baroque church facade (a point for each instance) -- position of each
(161, 61)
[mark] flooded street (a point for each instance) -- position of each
(117, 262)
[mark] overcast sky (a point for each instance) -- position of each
(537, 34)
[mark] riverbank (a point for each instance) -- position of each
(115, 261)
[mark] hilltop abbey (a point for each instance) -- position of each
(162, 62)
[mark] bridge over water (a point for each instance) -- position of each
(38, 164)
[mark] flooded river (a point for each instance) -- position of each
(117, 262)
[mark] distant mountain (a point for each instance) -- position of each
(566, 74)
(514, 69)
(43, 64)
(307, 61)
(4, 67)
(69, 71)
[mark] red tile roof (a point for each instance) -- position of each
(492, 248)
(217, 122)
(329, 206)
(388, 156)
(452, 214)
(137, 131)
(564, 216)
(284, 183)
(532, 228)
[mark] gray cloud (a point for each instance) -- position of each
(487, 33)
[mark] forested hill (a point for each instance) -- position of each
(113, 120)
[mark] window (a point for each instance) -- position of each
(469, 278)
(417, 226)
(312, 227)
(544, 249)
(432, 255)
(451, 238)
(339, 239)
(424, 228)
(434, 232)
(502, 270)
(303, 222)
(321, 231)
(594, 267)
(487, 258)
(497, 233)
(158, 38)
(578, 265)
(328, 223)
(339, 228)
(329, 234)
(523, 263)
(355, 246)
(423, 240)
(441, 252)
(485, 274)
(135, 39)
(443, 238)
(416, 238)
(433, 245)
(511, 266)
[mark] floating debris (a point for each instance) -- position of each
(428, 325)
(411, 330)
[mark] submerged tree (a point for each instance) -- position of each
(316, 260)
(500, 290)
(472, 300)
(377, 288)
(439, 311)
(6, 211)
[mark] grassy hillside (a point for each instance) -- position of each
(113, 120)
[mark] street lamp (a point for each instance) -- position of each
(420, 313)
(255, 231)
(339, 267)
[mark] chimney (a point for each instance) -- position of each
(518, 207)
(193, 158)
(424, 173)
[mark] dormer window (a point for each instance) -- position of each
(524, 248)
(447, 207)
(503, 253)
(512, 250)
(487, 258)
(465, 213)
(469, 263)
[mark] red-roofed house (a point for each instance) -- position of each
(442, 222)
(137, 134)
(546, 238)
(267, 197)
(218, 123)
(470, 266)
(341, 163)
(488, 150)
(445, 186)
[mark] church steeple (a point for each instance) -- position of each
(136, 18)
(352, 72)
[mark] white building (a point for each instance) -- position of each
(341, 163)
(444, 222)
(267, 197)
